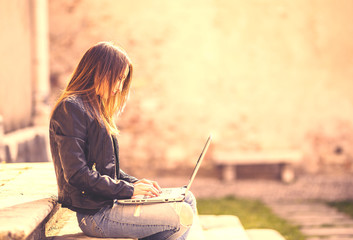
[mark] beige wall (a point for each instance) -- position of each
(16, 88)
(260, 75)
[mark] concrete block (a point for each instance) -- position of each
(226, 233)
(264, 234)
(196, 231)
(219, 221)
(222, 227)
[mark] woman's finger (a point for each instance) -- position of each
(156, 185)
(151, 189)
(145, 189)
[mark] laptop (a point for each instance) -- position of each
(171, 194)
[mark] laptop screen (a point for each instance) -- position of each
(199, 161)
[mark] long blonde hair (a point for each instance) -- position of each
(104, 63)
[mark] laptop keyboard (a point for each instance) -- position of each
(166, 191)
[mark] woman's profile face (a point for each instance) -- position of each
(119, 84)
(118, 88)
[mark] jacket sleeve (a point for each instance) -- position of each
(126, 177)
(69, 125)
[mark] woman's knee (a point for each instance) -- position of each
(191, 200)
(190, 197)
(186, 214)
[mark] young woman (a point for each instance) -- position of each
(85, 151)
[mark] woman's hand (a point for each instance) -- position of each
(146, 187)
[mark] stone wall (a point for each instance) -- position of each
(16, 75)
(260, 75)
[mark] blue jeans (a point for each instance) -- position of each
(150, 221)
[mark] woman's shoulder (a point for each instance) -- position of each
(75, 101)
(72, 103)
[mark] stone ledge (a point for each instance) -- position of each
(26, 145)
(26, 182)
(27, 220)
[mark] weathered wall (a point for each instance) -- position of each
(16, 77)
(24, 81)
(258, 74)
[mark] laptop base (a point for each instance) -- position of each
(167, 195)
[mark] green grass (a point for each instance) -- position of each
(252, 214)
(343, 206)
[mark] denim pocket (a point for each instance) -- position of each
(89, 226)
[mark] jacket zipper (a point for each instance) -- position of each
(116, 155)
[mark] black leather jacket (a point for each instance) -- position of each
(86, 164)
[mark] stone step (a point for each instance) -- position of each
(230, 227)
(316, 220)
(26, 220)
(328, 231)
(312, 220)
(27, 199)
(205, 227)
(71, 230)
(330, 238)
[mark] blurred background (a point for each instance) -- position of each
(261, 75)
